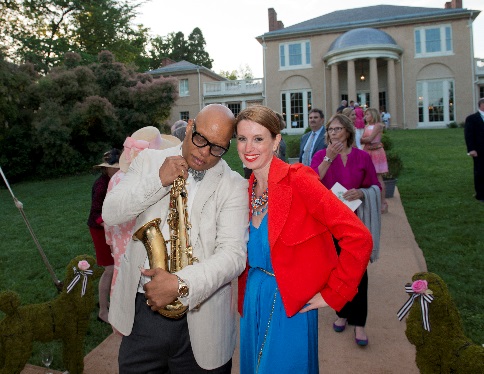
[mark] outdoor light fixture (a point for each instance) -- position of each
(362, 75)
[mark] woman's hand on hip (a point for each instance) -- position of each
(316, 302)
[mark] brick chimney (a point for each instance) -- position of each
(454, 4)
(167, 61)
(274, 24)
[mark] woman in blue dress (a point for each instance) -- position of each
(292, 267)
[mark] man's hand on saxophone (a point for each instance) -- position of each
(172, 168)
(162, 289)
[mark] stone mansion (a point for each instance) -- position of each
(416, 62)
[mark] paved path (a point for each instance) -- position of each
(388, 351)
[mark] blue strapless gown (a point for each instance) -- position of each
(270, 342)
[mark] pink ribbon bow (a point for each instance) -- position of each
(133, 146)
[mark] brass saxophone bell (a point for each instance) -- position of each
(180, 250)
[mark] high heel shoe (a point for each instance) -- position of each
(361, 342)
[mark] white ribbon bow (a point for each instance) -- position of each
(425, 300)
(78, 273)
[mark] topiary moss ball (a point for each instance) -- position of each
(66, 318)
(445, 348)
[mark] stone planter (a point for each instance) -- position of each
(390, 187)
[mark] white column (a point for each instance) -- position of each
(392, 92)
(374, 84)
(351, 81)
(335, 96)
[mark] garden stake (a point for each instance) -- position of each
(58, 284)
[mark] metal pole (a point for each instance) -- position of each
(58, 284)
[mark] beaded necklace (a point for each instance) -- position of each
(259, 204)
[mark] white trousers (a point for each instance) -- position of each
(359, 134)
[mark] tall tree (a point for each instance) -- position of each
(230, 75)
(16, 146)
(8, 25)
(177, 48)
(244, 72)
(42, 31)
(196, 46)
(160, 48)
(107, 25)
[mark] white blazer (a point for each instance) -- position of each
(219, 234)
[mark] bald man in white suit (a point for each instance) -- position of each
(204, 339)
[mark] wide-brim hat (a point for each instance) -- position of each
(106, 165)
(110, 159)
(171, 140)
(146, 137)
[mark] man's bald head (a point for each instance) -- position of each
(219, 114)
(215, 123)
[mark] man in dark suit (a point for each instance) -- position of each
(344, 104)
(474, 136)
(312, 141)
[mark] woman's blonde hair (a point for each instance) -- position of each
(375, 115)
(347, 111)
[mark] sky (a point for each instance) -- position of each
(230, 28)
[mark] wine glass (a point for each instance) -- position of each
(46, 355)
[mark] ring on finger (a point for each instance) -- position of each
(148, 302)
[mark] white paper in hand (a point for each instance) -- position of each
(339, 190)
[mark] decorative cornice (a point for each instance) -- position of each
(366, 51)
(294, 32)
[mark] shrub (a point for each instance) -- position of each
(62, 122)
(455, 125)
(395, 165)
(293, 147)
(386, 141)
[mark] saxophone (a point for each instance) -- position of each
(181, 254)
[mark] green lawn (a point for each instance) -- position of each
(437, 191)
(57, 211)
(436, 186)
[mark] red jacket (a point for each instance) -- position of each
(303, 218)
